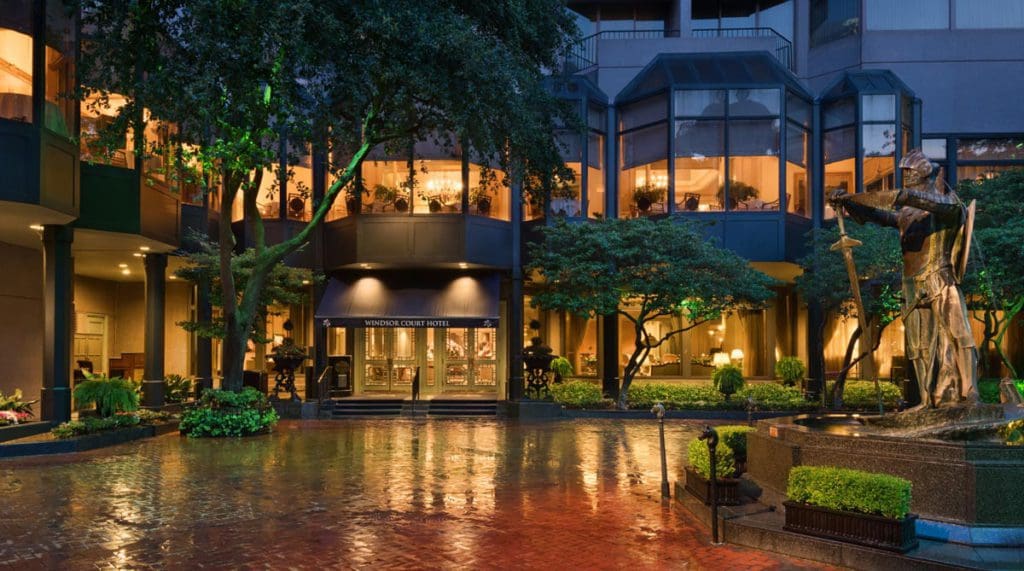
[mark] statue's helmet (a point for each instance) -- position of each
(916, 162)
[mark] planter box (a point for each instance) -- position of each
(728, 489)
(875, 531)
(16, 431)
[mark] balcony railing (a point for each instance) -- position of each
(582, 56)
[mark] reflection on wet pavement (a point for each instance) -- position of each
(356, 494)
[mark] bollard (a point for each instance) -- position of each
(711, 436)
(659, 411)
(751, 407)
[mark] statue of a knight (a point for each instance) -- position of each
(935, 229)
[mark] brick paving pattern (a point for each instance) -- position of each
(395, 494)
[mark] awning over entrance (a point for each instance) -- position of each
(410, 301)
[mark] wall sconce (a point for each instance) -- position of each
(720, 359)
(736, 355)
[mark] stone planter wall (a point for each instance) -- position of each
(863, 529)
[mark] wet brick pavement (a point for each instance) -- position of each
(395, 494)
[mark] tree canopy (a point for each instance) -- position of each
(244, 83)
(642, 270)
(995, 279)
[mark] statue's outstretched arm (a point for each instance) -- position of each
(940, 204)
(874, 207)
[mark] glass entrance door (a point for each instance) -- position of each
(472, 362)
(390, 362)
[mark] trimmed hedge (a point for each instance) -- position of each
(861, 395)
(700, 459)
(735, 437)
(578, 394)
(767, 396)
(92, 425)
(988, 389)
(850, 490)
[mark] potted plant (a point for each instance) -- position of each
(561, 367)
(110, 396)
(14, 410)
(177, 388)
(647, 195)
(352, 196)
(728, 379)
(287, 355)
(738, 192)
(735, 437)
(481, 197)
(850, 505)
(698, 473)
(790, 370)
(564, 195)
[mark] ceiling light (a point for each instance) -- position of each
(305, 282)
(144, 248)
(137, 255)
(122, 265)
(173, 277)
(126, 272)
(463, 265)
(364, 266)
(37, 227)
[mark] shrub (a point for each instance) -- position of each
(772, 396)
(728, 379)
(861, 395)
(109, 395)
(790, 370)
(700, 459)
(692, 397)
(227, 413)
(577, 394)
(561, 367)
(94, 425)
(850, 490)
(177, 388)
(988, 389)
(1013, 432)
(735, 437)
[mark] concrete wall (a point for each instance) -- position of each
(21, 305)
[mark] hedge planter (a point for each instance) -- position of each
(728, 489)
(21, 430)
(852, 527)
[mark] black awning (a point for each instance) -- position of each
(416, 301)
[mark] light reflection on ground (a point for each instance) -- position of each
(373, 493)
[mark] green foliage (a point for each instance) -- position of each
(994, 281)
(735, 437)
(650, 192)
(727, 379)
(850, 490)
(988, 389)
(561, 367)
(177, 388)
(861, 395)
(642, 270)
(14, 402)
(578, 394)
(772, 396)
(90, 425)
(700, 459)
(1013, 432)
(109, 395)
(227, 413)
(790, 370)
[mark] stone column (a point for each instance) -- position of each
(156, 294)
(516, 387)
(58, 276)
(204, 345)
(610, 356)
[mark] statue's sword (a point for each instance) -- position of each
(846, 244)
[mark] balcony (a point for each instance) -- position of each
(114, 199)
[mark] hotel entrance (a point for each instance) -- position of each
(450, 360)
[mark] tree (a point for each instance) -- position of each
(244, 82)
(994, 281)
(642, 270)
(879, 263)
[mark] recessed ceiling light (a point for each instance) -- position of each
(122, 265)
(37, 227)
(137, 255)
(144, 248)
(463, 265)
(173, 277)
(126, 272)
(364, 266)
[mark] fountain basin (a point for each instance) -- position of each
(968, 491)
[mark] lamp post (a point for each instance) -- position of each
(659, 411)
(711, 436)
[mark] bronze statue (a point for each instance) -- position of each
(934, 228)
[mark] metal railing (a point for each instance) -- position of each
(582, 55)
(323, 384)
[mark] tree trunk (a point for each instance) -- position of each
(233, 356)
(840, 384)
(630, 371)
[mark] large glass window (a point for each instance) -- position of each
(16, 60)
(840, 163)
(98, 113)
(979, 159)
(60, 68)
(159, 160)
(798, 199)
(753, 164)
(907, 14)
(879, 146)
(987, 14)
(565, 194)
(268, 201)
(348, 199)
(439, 187)
(643, 182)
(299, 202)
(387, 180)
(595, 175)
(833, 19)
(489, 192)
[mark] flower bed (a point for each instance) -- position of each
(94, 425)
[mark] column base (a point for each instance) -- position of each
(55, 404)
(153, 394)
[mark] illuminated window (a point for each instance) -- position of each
(16, 61)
